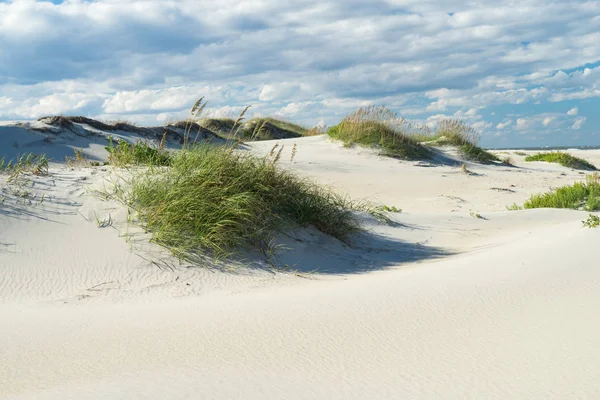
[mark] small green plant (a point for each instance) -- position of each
(593, 221)
(564, 159)
(514, 207)
(476, 215)
(140, 153)
(392, 209)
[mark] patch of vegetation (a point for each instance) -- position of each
(26, 163)
(19, 184)
(381, 128)
(476, 215)
(217, 200)
(593, 221)
(254, 129)
(564, 159)
(457, 133)
(220, 126)
(520, 153)
(514, 207)
(139, 153)
(391, 209)
(269, 129)
(579, 196)
(508, 161)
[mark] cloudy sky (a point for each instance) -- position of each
(523, 72)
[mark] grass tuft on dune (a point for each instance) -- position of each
(216, 200)
(140, 153)
(454, 132)
(254, 129)
(579, 196)
(379, 127)
(564, 159)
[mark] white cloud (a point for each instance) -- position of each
(310, 62)
(548, 120)
(522, 124)
(503, 125)
(573, 111)
(579, 121)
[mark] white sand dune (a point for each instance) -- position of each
(439, 305)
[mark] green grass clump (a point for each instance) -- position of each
(379, 127)
(217, 200)
(579, 196)
(593, 221)
(140, 153)
(564, 159)
(454, 132)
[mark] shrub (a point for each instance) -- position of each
(379, 127)
(564, 159)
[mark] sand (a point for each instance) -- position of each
(440, 304)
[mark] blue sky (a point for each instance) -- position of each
(523, 73)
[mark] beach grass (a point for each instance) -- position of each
(579, 196)
(123, 153)
(215, 200)
(266, 128)
(27, 163)
(564, 159)
(455, 132)
(379, 127)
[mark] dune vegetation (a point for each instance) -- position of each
(210, 198)
(254, 129)
(564, 159)
(578, 196)
(455, 132)
(379, 127)
(214, 199)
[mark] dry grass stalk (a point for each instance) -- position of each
(196, 110)
(294, 150)
(278, 155)
(239, 119)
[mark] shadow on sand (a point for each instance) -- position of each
(312, 251)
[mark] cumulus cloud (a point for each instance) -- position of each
(522, 124)
(503, 125)
(573, 111)
(311, 62)
(579, 121)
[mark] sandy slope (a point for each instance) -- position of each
(440, 305)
